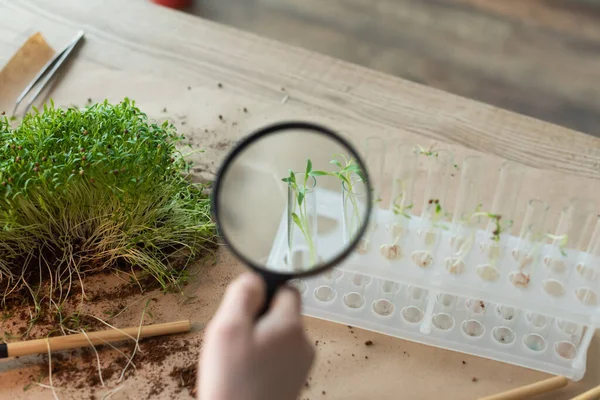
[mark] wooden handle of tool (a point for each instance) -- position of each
(591, 394)
(524, 392)
(40, 346)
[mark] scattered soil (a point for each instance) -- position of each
(185, 377)
(369, 343)
(464, 362)
(474, 379)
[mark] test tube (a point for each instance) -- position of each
(375, 160)
(531, 239)
(500, 219)
(401, 203)
(302, 226)
(464, 219)
(433, 212)
(354, 200)
(567, 240)
(589, 264)
(589, 269)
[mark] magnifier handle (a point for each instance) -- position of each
(272, 286)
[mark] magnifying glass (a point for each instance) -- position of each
(292, 200)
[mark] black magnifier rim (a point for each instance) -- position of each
(260, 134)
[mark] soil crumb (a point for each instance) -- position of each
(185, 378)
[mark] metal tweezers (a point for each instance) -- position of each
(49, 70)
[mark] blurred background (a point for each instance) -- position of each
(537, 57)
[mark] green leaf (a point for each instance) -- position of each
(296, 219)
(300, 197)
(352, 168)
(318, 173)
(308, 166)
(336, 162)
(361, 175)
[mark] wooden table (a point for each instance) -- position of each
(166, 59)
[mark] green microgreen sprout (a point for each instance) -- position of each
(563, 241)
(300, 217)
(348, 169)
(428, 153)
(94, 189)
(398, 206)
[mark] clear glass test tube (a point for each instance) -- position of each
(433, 213)
(529, 247)
(302, 226)
(500, 219)
(375, 150)
(588, 269)
(464, 220)
(567, 241)
(401, 203)
(354, 200)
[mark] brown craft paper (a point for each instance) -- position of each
(22, 68)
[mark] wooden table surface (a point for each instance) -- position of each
(168, 59)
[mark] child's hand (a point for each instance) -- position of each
(246, 359)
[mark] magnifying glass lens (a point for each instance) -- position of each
(292, 199)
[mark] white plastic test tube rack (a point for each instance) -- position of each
(502, 318)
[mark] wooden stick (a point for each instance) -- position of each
(40, 346)
(591, 394)
(523, 392)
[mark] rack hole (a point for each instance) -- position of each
(553, 287)
(566, 350)
(389, 287)
(506, 313)
(503, 335)
(354, 300)
(475, 306)
(537, 320)
(487, 273)
(535, 342)
(586, 296)
(325, 293)
(446, 300)
(361, 280)
(570, 328)
(383, 307)
(332, 274)
(417, 293)
(299, 284)
(412, 314)
(473, 328)
(443, 321)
